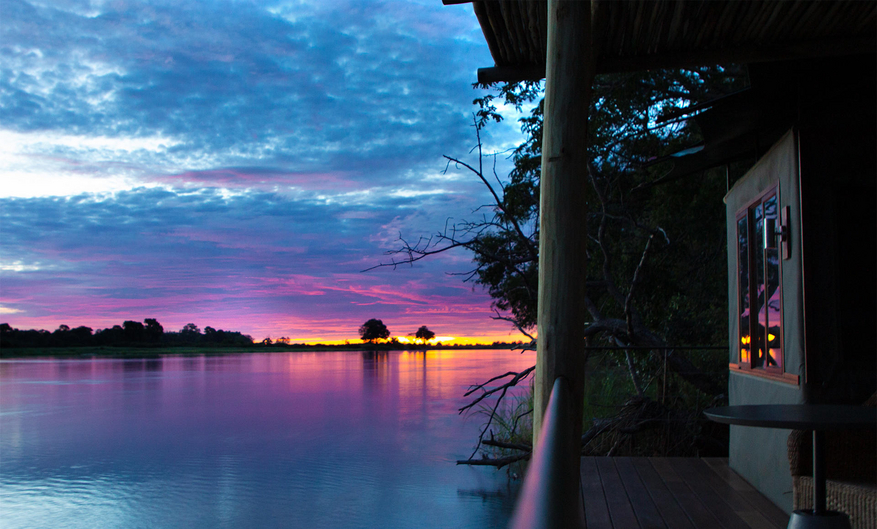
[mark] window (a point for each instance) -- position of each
(759, 286)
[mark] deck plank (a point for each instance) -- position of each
(672, 514)
(643, 504)
(596, 511)
(619, 504)
(716, 503)
(776, 516)
(697, 512)
(731, 496)
(719, 465)
(671, 493)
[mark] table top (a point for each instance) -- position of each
(796, 416)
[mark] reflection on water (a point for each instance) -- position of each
(340, 439)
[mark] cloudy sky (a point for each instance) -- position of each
(238, 164)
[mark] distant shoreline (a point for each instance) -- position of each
(10, 353)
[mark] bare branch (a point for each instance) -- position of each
(415, 254)
(630, 368)
(633, 284)
(514, 322)
(516, 377)
(519, 417)
(499, 205)
(489, 421)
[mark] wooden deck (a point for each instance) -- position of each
(671, 493)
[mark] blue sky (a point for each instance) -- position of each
(238, 164)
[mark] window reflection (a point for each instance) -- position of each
(772, 317)
(743, 282)
(760, 315)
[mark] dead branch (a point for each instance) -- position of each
(498, 462)
(516, 377)
(510, 446)
(599, 426)
(489, 422)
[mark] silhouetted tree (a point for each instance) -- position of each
(154, 330)
(424, 334)
(373, 330)
(131, 333)
(111, 336)
(134, 331)
(80, 336)
(190, 329)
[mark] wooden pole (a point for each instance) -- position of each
(563, 210)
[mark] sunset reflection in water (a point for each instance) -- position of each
(338, 439)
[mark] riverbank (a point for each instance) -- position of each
(141, 352)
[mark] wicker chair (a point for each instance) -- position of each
(850, 469)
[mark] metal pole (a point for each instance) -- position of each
(818, 473)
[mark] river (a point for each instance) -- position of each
(316, 440)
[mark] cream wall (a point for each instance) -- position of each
(760, 454)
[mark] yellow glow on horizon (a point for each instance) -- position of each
(444, 340)
(408, 339)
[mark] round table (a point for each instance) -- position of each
(815, 417)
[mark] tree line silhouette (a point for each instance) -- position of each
(150, 333)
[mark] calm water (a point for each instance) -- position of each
(339, 439)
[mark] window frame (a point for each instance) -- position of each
(747, 212)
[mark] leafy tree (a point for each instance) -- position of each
(424, 334)
(373, 330)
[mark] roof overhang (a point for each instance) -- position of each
(635, 35)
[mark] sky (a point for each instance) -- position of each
(239, 164)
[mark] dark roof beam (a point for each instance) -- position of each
(740, 55)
